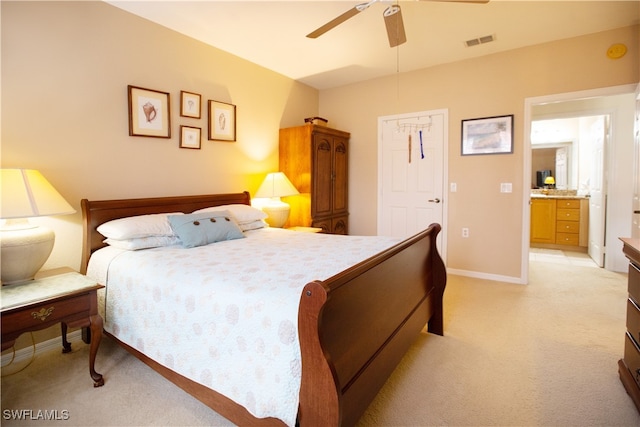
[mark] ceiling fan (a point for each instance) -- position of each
(392, 19)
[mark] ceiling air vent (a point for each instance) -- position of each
(479, 41)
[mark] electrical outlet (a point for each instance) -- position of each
(465, 232)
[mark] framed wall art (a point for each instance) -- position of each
(222, 121)
(488, 135)
(190, 104)
(149, 113)
(190, 137)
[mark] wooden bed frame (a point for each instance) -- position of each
(354, 328)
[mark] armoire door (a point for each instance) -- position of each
(322, 182)
(340, 179)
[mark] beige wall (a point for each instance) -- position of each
(66, 66)
(487, 86)
(65, 71)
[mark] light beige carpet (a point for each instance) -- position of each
(544, 354)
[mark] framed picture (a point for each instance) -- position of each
(222, 121)
(190, 137)
(149, 113)
(488, 135)
(190, 104)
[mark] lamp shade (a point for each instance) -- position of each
(24, 247)
(276, 184)
(26, 193)
(549, 180)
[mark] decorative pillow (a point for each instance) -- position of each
(205, 227)
(138, 226)
(242, 213)
(253, 225)
(143, 242)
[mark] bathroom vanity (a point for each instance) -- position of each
(559, 221)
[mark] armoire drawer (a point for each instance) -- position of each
(632, 358)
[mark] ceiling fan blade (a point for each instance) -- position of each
(460, 1)
(395, 25)
(334, 22)
(340, 19)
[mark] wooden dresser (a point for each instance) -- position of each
(629, 366)
(315, 158)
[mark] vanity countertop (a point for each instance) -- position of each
(555, 196)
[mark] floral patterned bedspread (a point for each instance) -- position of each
(225, 315)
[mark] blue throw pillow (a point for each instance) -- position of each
(204, 228)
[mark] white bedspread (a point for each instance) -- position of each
(225, 315)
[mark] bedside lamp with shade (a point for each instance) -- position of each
(25, 247)
(274, 186)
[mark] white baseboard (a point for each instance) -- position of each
(41, 347)
(494, 277)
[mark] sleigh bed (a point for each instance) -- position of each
(352, 328)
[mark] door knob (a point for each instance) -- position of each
(436, 200)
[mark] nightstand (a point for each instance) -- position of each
(58, 296)
(306, 229)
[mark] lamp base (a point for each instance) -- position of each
(24, 249)
(278, 212)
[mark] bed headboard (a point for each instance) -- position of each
(98, 212)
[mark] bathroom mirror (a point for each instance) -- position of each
(572, 148)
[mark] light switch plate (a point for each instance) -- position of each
(506, 187)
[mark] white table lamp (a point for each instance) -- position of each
(25, 247)
(274, 186)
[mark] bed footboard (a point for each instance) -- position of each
(356, 326)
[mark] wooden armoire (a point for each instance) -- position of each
(315, 158)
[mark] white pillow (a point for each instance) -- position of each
(253, 225)
(242, 213)
(138, 226)
(143, 242)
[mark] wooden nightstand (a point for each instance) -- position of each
(306, 229)
(59, 296)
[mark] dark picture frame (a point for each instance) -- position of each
(190, 104)
(190, 137)
(149, 112)
(222, 121)
(487, 135)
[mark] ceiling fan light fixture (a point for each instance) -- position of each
(391, 10)
(395, 26)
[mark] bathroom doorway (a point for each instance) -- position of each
(572, 150)
(619, 103)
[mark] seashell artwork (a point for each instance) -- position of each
(149, 111)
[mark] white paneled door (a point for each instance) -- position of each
(411, 172)
(596, 135)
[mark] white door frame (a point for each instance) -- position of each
(526, 170)
(442, 249)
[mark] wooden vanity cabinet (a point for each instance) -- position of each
(560, 222)
(568, 222)
(543, 221)
(316, 158)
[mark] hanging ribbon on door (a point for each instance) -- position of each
(409, 148)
